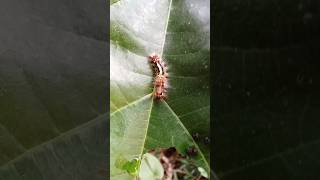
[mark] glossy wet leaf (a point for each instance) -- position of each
(178, 31)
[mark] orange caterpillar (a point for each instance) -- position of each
(161, 78)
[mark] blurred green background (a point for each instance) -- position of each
(53, 90)
(266, 99)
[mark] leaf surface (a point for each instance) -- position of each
(179, 32)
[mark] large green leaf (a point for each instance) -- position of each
(178, 30)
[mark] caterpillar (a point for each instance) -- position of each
(161, 76)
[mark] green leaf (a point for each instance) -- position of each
(151, 168)
(113, 1)
(131, 167)
(203, 172)
(177, 30)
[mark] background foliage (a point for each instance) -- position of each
(53, 90)
(266, 85)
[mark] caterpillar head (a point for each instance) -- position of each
(154, 58)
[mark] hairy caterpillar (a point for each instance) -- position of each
(161, 76)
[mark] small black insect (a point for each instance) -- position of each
(196, 136)
(192, 151)
(207, 140)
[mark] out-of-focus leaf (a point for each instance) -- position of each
(53, 90)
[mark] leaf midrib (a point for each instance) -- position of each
(166, 28)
